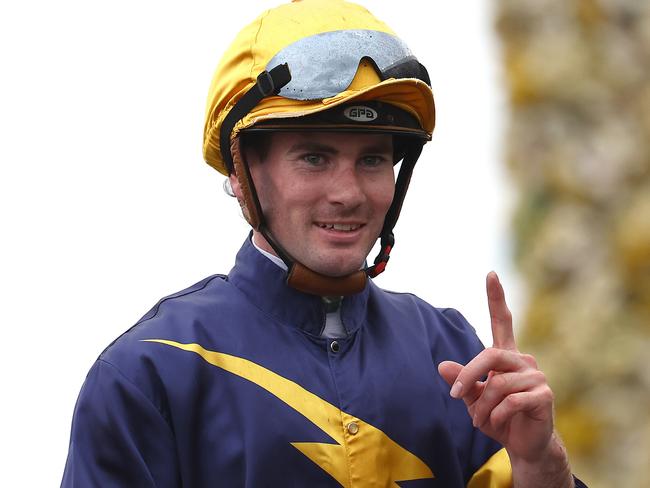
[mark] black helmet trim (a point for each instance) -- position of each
(356, 116)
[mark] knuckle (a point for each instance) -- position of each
(529, 360)
(492, 353)
(539, 377)
(513, 402)
(497, 417)
(500, 381)
(547, 394)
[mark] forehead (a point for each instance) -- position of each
(335, 141)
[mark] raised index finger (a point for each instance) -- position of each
(503, 336)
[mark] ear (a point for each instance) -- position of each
(239, 195)
(236, 187)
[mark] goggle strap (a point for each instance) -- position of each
(407, 68)
(424, 74)
(268, 83)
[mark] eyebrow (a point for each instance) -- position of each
(311, 146)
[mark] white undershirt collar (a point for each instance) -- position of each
(272, 257)
(333, 325)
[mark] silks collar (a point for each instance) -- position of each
(265, 286)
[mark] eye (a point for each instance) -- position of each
(372, 161)
(314, 159)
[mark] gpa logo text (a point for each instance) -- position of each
(359, 113)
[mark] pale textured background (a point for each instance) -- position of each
(578, 147)
(106, 205)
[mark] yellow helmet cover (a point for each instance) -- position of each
(276, 29)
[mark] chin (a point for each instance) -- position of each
(337, 269)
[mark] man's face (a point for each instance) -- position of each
(325, 195)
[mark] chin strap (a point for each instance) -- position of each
(306, 280)
(299, 276)
(387, 243)
(401, 186)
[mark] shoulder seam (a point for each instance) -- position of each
(171, 297)
(156, 308)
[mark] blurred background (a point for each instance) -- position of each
(577, 146)
(539, 168)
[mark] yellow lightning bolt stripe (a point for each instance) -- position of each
(368, 458)
(495, 473)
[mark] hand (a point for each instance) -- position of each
(514, 404)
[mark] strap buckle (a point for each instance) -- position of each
(265, 84)
(387, 243)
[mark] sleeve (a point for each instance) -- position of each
(119, 438)
(579, 484)
(497, 473)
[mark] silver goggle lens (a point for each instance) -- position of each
(324, 65)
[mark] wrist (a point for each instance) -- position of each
(550, 469)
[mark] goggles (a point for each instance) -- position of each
(324, 65)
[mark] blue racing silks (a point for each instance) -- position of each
(229, 383)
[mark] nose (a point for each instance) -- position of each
(345, 187)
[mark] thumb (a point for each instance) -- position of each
(449, 371)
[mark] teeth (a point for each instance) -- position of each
(344, 227)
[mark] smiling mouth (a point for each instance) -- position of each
(339, 227)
